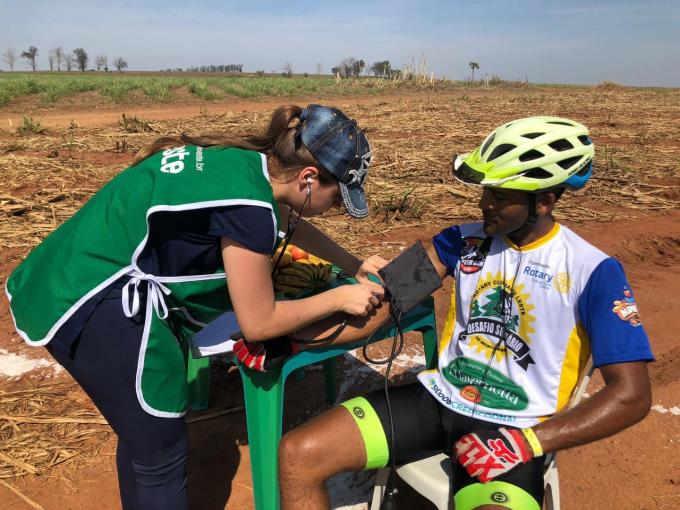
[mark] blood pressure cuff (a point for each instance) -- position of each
(410, 278)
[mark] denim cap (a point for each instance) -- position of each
(342, 149)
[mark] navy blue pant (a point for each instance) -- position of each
(152, 452)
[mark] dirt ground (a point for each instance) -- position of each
(637, 469)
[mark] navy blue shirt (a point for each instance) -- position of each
(188, 242)
(185, 243)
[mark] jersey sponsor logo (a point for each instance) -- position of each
(494, 327)
(471, 393)
(464, 409)
(540, 276)
(493, 389)
(358, 412)
(172, 161)
(626, 308)
(473, 254)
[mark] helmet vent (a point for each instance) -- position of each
(561, 123)
(537, 173)
(569, 162)
(585, 139)
(561, 145)
(531, 155)
(533, 135)
(488, 142)
(500, 150)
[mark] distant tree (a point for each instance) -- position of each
(59, 56)
(349, 67)
(70, 61)
(102, 62)
(357, 67)
(120, 64)
(81, 58)
(51, 59)
(10, 57)
(30, 55)
(382, 69)
(319, 68)
(287, 70)
(473, 66)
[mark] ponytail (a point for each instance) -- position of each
(278, 140)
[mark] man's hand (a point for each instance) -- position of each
(370, 266)
(488, 454)
(261, 356)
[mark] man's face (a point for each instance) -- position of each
(504, 210)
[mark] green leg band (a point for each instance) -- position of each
(494, 493)
(371, 430)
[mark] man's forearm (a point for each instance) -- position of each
(624, 401)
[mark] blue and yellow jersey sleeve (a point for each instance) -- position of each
(610, 316)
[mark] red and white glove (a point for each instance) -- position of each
(488, 454)
(263, 355)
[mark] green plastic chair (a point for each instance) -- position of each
(264, 397)
(198, 381)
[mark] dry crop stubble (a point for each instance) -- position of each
(637, 135)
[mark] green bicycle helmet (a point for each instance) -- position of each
(532, 154)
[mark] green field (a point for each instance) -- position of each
(161, 87)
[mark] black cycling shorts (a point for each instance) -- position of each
(422, 428)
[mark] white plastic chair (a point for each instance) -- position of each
(431, 476)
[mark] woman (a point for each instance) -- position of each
(115, 291)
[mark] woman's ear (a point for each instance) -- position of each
(307, 175)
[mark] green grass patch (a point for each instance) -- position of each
(202, 89)
(30, 126)
(162, 87)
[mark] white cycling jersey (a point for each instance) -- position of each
(521, 323)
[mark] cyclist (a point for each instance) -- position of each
(116, 290)
(531, 302)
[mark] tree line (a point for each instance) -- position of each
(351, 67)
(223, 68)
(58, 58)
(79, 59)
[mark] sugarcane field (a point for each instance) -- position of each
(57, 451)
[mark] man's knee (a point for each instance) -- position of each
(298, 451)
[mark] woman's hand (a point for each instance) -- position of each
(358, 299)
(370, 266)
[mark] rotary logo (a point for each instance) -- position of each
(562, 282)
(626, 308)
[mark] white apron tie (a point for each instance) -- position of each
(155, 291)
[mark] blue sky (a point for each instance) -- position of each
(630, 42)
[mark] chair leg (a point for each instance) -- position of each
(198, 380)
(552, 488)
(381, 477)
(263, 393)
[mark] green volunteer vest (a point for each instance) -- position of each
(103, 241)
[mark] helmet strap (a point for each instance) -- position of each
(533, 217)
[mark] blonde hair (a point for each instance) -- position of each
(278, 140)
